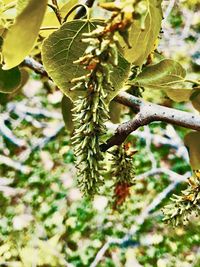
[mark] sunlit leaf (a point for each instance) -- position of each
(64, 46)
(192, 141)
(9, 80)
(165, 75)
(179, 95)
(143, 40)
(22, 35)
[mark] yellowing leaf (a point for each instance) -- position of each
(64, 46)
(165, 75)
(22, 35)
(179, 95)
(9, 80)
(143, 40)
(192, 141)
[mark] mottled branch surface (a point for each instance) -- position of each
(146, 112)
(35, 66)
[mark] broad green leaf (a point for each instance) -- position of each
(9, 80)
(64, 46)
(192, 141)
(22, 35)
(143, 40)
(165, 75)
(179, 95)
(66, 106)
(5, 98)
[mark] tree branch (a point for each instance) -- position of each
(35, 66)
(81, 12)
(146, 112)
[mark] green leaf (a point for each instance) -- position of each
(5, 98)
(67, 106)
(165, 75)
(22, 35)
(192, 141)
(64, 46)
(115, 111)
(9, 80)
(179, 95)
(143, 40)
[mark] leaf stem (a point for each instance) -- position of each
(56, 11)
(81, 12)
(49, 28)
(74, 8)
(193, 81)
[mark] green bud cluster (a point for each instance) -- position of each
(182, 207)
(91, 109)
(122, 166)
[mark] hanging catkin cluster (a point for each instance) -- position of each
(91, 110)
(90, 115)
(182, 207)
(123, 172)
